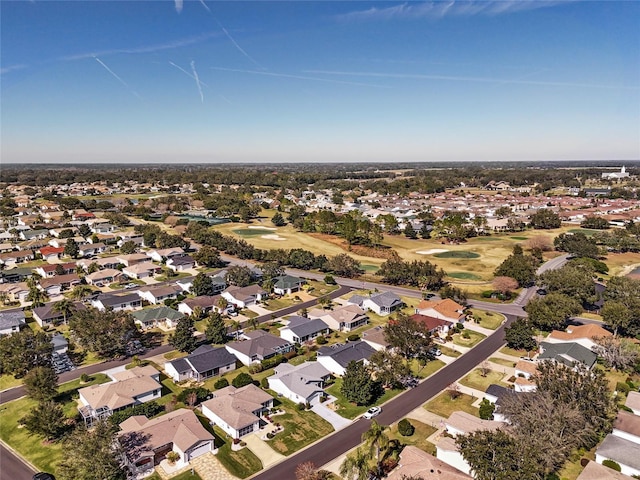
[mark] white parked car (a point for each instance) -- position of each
(372, 412)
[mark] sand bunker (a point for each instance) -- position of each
(260, 227)
(432, 251)
(272, 236)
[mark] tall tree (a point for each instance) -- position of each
(47, 419)
(208, 257)
(23, 351)
(92, 455)
(355, 466)
(202, 285)
(576, 281)
(344, 266)
(64, 307)
(106, 333)
(616, 315)
(409, 337)
(552, 311)
(377, 440)
(128, 247)
(79, 292)
(520, 335)
(518, 266)
(71, 248)
(216, 331)
(183, 339)
(545, 219)
(239, 276)
(36, 296)
(389, 368)
(357, 385)
(41, 383)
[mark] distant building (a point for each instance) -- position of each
(616, 175)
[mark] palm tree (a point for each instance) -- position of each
(37, 297)
(223, 303)
(236, 327)
(197, 312)
(254, 323)
(65, 307)
(80, 291)
(356, 465)
(376, 439)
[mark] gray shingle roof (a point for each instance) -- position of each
(352, 351)
(620, 450)
(159, 313)
(206, 358)
(386, 299)
(11, 318)
(109, 300)
(567, 353)
(303, 327)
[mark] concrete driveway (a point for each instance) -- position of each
(267, 455)
(330, 416)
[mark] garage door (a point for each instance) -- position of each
(200, 450)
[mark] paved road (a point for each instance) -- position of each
(13, 467)
(344, 440)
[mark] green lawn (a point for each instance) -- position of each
(487, 319)
(275, 304)
(444, 406)
(473, 340)
(319, 289)
(419, 438)
(514, 353)
(429, 369)
(301, 428)
(449, 352)
(45, 456)
(241, 463)
(9, 381)
(347, 409)
(183, 476)
(457, 254)
(464, 276)
(502, 361)
(475, 379)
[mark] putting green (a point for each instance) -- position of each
(252, 232)
(519, 238)
(457, 254)
(464, 276)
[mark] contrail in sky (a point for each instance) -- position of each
(205, 6)
(178, 5)
(187, 73)
(117, 77)
(197, 79)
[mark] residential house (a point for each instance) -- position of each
(375, 338)
(627, 426)
(335, 358)
(495, 394)
(103, 277)
(15, 275)
(568, 354)
(622, 451)
(416, 463)
(445, 309)
(182, 263)
(56, 285)
(302, 329)
(34, 234)
(206, 303)
(48, 315)
(11, 259)
(258, 345)
(103, 227)
(157, 295)
(90, 249)
(286, 284)
(633, 402)
(524, 370)
(580, 334)
(48, 271)
(162, 255)
(163, 317)
(382, 303)
(15, 292)
(147, 442)
(243, 297)
(238, 411)
(302, 383)
(102, 263)
(142, 270)
(203, 363)
(343, 319)
(130, 301)
(127, 388)
(11, 321)
(436, 326)
(132, 259)
(51, 253)
(60, 343)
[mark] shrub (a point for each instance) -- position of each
(290, 355)
(223, 382)
(460, 326)
(272, 362)
(486, 409)
(487, 294)
(321, 340)
(84, 378)
(329, 280)
(243, 444)
(612, 465)
(264, 383)
(255, 368)
(405, 428)
(236, 441)
(307, 405)
(622, 387)
(354, 337)
(584, 462)
(466, 334)
(270, 435)
(148, 409)
(242, 380)
(201, 394)
(300, 406)
(173, 457)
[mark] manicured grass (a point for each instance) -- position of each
(592, 316)
(347, 409)
(429, 369)
(242, 463)
(370, 268)
(9, 381)
(419, 438)
(513, 352)
(488, 320)
(301, 428)
(519, 238)
(444, 406)
(475, 379)
(457, 254)
(248, 313)
(464, 275)
(472, 341)
(319, 289)
(587, 232)
(172, 355)
(45, 456)
(502, 361)
(183, 476)
(449, 352)
(275, 304)
(253, 232)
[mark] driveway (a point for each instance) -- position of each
(330, 416)
(259, 310)
(267, 455)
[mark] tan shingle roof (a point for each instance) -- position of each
(580, 331)
(415, 462)
(121, 393)
(236, 405)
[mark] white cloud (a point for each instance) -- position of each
(436, 9)
(12, 68)
(178, 5)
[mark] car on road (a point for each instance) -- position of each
(43, 476)
(129, 286)
(427, 296)
(372, 412)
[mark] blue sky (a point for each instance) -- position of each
(330, 81)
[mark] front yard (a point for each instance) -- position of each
(476, 380)
(444, 405)
(419, 438)
(487, 319)
(347, 409)
(468, 338)
(301, 428)
(241, 463)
